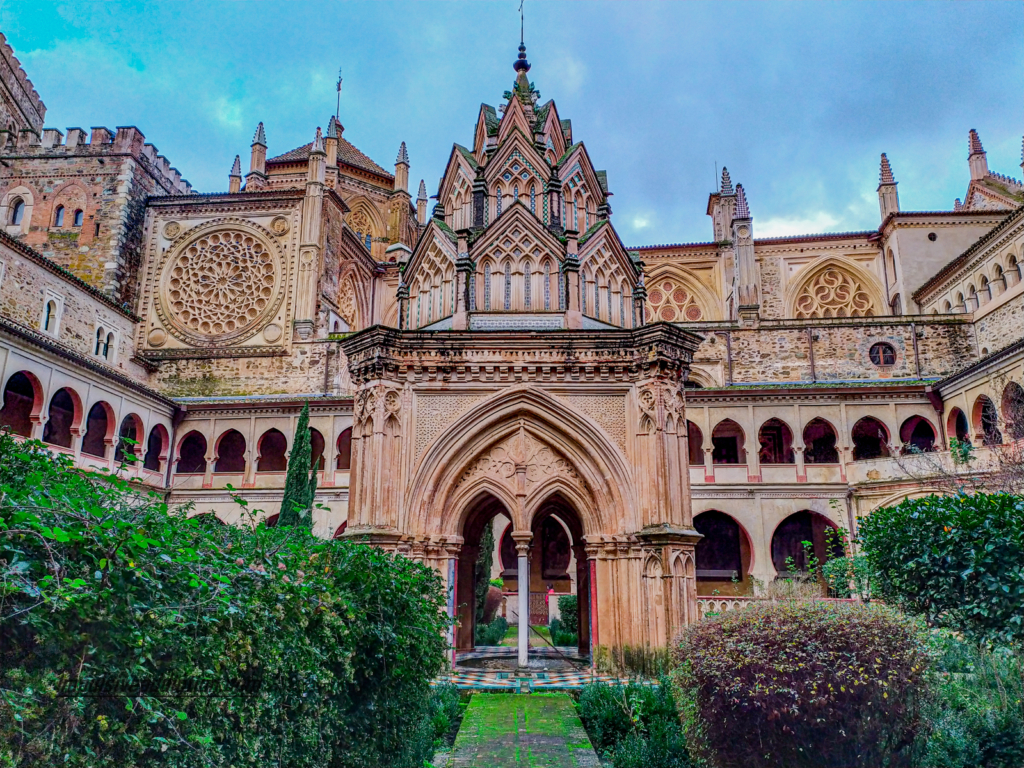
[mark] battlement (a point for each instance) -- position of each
(124, 140)
(14, 78)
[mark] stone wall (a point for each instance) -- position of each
(1002, 326)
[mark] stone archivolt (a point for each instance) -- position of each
(220, 284)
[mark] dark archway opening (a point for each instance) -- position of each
(723, 555)
(272, 448)
(790, 554)
(155, 449)
(870, 439)
(344, 460)
(1013, 410)
(60, 419)
(959, 427)
(19, 399)
(316, 445)
(96, 425)
(727, 441)
(776, 441)
(917, 435)
(820, 443)
(480, 517)
(230, 452)
(192, 455)
(127, 439)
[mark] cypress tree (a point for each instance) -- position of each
(300, 482)
(483, 570)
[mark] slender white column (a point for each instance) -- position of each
(524, 607)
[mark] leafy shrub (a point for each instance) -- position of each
(568, 609)
(956, 560)
(636, 725)
(635, 660)
(840, 572)
(132, 636)
(976, 717)
(560, 635)
(803, 683)
(493, 633)
(445, 712)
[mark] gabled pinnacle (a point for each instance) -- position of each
(974, 143)
(422, 195)
(332, 128)
(885, 173)
(261, 136)
(318, 143)
(742, 211)
(726, 188)
(403, 155)
(957, 205)
(236, 167)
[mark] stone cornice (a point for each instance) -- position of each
(803, 394)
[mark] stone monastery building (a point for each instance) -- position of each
(654, 428)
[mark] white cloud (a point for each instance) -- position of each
(641, 222)
(780, 226)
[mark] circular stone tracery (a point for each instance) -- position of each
(220, 286)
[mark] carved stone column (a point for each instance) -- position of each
(523, 539)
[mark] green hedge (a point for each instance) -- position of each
(131, 636)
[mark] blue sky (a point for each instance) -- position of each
(797, 99)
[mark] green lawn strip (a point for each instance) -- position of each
(540, 730)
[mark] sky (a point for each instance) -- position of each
(796, 99)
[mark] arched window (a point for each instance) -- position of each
(192, 455)
(533, 199)
(497, 203)
(776, 439)
(527, 280)
(917, 435)
(870, 439)
(986, 421)
(96, 425)
(18, 401)
(272, 447)
(882, 354)
(230, 452)
(547, 285)
(316, 445)
(107, 351)
(488, 277)
(60, 418)
(345, 449)
(58, 216)
(896, 305)
(719, 555)
(695, 444)
(820, 443)
(17, 211)
(789, 553)
(127, 438)
(508, 285)
(50, 317)
(727, 439)
(79, 217)
(155, 447)
(985, 293)
(1013, 410)
(515, 192)
(101, 337)
(958, 426)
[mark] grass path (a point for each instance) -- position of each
(522, 731)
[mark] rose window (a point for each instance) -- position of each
(220, 284)
(670, 302)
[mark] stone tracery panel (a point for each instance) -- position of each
(221, 284)
(522, 449)
(670, 301)
(834, 292)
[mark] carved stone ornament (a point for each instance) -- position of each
(347, 303)
(392, 401)
(157, 337)
(220, 283)
(172, 229)
(671, 301)
(647, 400)
(280, 226)
(272, 333)
(834, 293)
(522, 450)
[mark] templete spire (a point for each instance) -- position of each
(885, 172)
(742, 210)
(726, 182)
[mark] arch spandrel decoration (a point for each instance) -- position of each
(221, 282)
(836, 290)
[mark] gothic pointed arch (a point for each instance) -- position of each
(366, 221)
(676, 295)
(834, 287)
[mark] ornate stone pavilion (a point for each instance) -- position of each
(656, 429)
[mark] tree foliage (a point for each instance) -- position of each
(300, 481)
(803, 683)
(482, 572)
(132, 636)
(956, 560)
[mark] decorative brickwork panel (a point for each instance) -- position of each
(607, 410)
(435, 412)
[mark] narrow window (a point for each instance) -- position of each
(487, 287)
(78, 217)
(99, 342)
(367, 241)
(597, 299)
(58, 217)
(97, 232)
(515, 192)
(533, 199)
(17, 211)
(622, 310)
(547, 285)
(50, 319)
(563, 286)
(583, 294)
(527, 279)
(498, 213)
(508, 286)
(109, 343)
(609, 303)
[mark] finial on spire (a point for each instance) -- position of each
(261, 136)
(521, 64)
(332, 127)
(885, 172)
(742, 210)
(974, 143)
(236, 167)
(726, 188)
(403, 155)
(422, 194)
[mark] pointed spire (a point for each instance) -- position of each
(742, 211)
(885, 173)
(235, 177)
(1022, 154)
(974, 143)
(318, 143)
(726, 188)
(957, 205)
(403, 155)
(422, 194)
(236, 167)
(260, 137)
(332, 128)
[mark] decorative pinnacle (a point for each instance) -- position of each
(236, 167)
(261, 136)
(521, 64)
(974, 143)
(1022, 153)
(403, 155)
(422, 195)
(742, 211)
(318, 143)
(726, 182)
(332, 128)
(957, 205)
(885, 173)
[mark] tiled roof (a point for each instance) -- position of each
(491, 119)
(470, 157)
(347, 154)
(602, 179)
